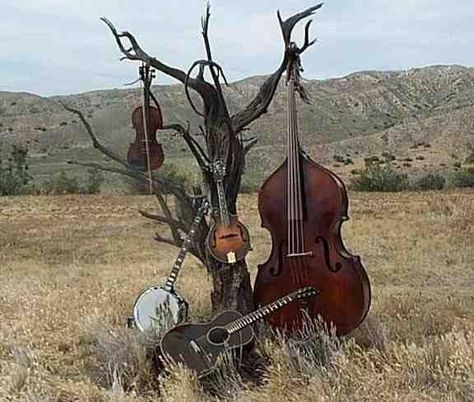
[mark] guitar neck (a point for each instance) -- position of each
(173, 276)
(256, 315)
(223, 211)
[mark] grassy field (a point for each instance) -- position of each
(71, 266)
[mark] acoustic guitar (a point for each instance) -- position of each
(228, 238)
(199, 346)
(161, 307)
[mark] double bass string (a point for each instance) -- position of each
(295, 208)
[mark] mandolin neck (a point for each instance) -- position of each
(223, 211)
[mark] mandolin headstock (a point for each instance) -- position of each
(218, 170)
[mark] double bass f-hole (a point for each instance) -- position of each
(327, 258)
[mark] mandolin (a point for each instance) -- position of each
(303, 206)
(228, 238)
(161, 307)
(199, 346)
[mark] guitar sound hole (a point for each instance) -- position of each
(218, 335)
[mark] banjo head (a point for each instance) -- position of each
(157, 309)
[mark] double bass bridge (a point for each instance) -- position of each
(307, 254)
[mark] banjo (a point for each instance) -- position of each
(160, 307)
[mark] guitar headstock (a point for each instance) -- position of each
(304, 293)
(218, 170)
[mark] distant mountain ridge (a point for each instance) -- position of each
(356, 116)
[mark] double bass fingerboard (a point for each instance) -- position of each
(294, 186)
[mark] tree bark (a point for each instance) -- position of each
(231, 282)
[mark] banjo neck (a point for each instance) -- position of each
(173, 276)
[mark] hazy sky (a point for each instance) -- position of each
(60, 46)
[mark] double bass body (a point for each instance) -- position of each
(303, 205)
(325, 264)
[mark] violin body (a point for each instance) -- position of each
(137, 152)
(228, 244)
(324, 263)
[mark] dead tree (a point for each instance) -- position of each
(220, 133)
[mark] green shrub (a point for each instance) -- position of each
(463, 178)
(470, 158)
(14, 176)
(376, 177)
(94, 181)
(432, 181)
(62, 184)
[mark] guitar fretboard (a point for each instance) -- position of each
(250, 318)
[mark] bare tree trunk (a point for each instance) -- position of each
(231, 282)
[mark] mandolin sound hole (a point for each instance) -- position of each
(218, 335)
(228, 236)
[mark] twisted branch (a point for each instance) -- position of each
(261, 101)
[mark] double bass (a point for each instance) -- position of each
(303, 205)
(145, 153)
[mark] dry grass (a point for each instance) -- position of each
(70, 268)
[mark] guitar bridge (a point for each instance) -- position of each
(195, 347)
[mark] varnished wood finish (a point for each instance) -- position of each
(339, 276)
(137, 152)
(177, 344)
(223, 240)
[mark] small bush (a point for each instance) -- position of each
(94, 181)
(463, 178)
(470, 158)
(14, 176)
(376, 177)
(62, 184)
(432, 181)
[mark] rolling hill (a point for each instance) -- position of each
(424, 117)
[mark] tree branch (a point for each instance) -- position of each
(250, 144)
(193, 145)
(135, 52)
(262, 100)
(162, 239)
(163, 219)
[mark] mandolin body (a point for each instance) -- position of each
(326, 264)
(228, 244)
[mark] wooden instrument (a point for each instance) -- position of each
(161, 307)
(228, 238)
(145, 153)
(198, 346)
(303, 205)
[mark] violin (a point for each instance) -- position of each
(145, 153)
(303, 206)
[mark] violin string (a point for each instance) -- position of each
(146, 114)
